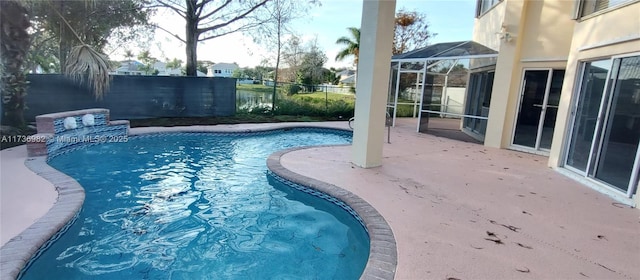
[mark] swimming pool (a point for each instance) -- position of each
(199, 205)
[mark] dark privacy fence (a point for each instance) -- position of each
(135, 97)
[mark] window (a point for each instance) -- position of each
(217, 71)
(485, 5)
(587, 7)
(477, 102)
(605, 133)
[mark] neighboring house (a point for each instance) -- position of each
(129, 67)
(222, 70)
(132, 67)
(172, 72)
(345, 73)
(348, 80)
(565, 84)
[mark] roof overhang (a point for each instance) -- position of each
(445, 51)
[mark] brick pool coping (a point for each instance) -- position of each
(18, 251)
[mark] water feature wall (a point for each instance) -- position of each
(57, 132)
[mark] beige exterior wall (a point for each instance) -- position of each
(601, 36)
(486, 26)
(546, 28)
(506, 68)
(539, 40)
(544, 35)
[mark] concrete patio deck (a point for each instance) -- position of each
(464, 211)
(458, 210)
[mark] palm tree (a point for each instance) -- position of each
(85, 65)
(128, 54)
(352, 45)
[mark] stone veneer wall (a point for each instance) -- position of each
(53, 138)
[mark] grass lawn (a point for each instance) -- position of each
(349, 98)
(257, 88)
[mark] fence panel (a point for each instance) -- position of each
(135, 97)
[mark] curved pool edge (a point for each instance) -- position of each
(383, 256)
(242, 128)
(19, 250)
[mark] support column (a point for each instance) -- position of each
(374, 62)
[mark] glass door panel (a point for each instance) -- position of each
(622, 127)
(553, 100)
(586, 113)
(531, 104)
(477, 101)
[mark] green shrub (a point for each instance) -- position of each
(405, 110)
(304, 105)
(260, 110)
(291, 89)
(340, 109)
(288, 106)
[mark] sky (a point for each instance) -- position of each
(452, 20)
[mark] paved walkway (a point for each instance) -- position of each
(24, 196)
(464, 211)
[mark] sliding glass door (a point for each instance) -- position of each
(594, 79)
(606, 128)
(477, 102)
(539, 101)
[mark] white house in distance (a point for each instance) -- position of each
(132, 67)
(347, 77)
(128, 67)
(222, 70)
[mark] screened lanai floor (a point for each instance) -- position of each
(444, 127)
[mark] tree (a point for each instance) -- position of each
(238, 73)
(148, 62)
(251, 73)
(87, 22)
(292, 54)
(174, 64)
(279, 14)
(410, 31)
(14, 43)
(352, 45)
(128, 54)
(43, 51)
(330, 76)
(209, 19)
(203, 66)
(262, 70)
(310, 72)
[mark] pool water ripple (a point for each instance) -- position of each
(200, 207)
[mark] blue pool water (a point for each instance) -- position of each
(200, 206)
